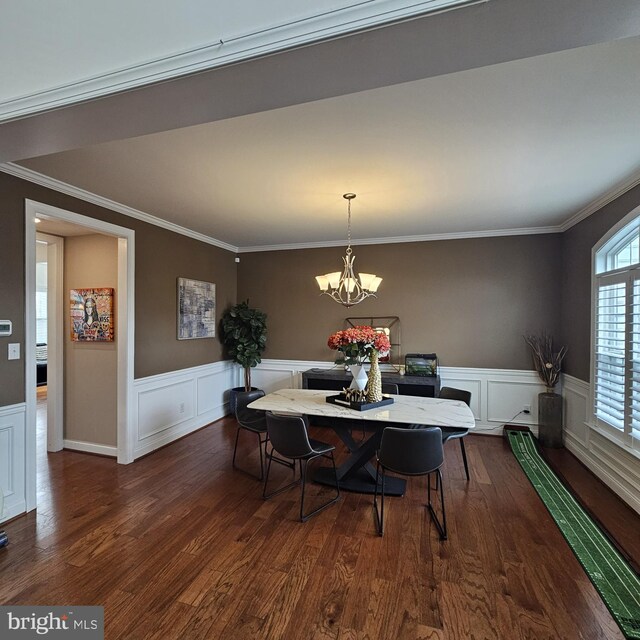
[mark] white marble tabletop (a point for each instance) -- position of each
(405, 409)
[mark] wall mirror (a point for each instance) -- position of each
(391, 326)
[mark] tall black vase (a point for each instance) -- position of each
(550, 420)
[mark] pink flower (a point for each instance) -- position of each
(359, 342)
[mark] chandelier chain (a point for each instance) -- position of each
(349, 224)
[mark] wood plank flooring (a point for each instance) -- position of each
(606, 508)
(178, 545)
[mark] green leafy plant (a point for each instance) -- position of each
(244, 333)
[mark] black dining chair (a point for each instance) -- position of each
(411, 452)
(390, 388)
(289, 437)
(451, 433)
(253, 421)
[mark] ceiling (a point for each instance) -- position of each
(522, 145)
(61, 228)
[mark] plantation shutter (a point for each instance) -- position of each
(635, 361)
(610, 338)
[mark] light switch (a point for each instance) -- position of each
(14, 351)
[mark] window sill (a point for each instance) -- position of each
(612, 438)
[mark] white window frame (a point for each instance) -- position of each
(625, 274)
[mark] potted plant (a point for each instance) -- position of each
(548, 364)
(244, 333)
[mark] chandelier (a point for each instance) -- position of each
(347, 287)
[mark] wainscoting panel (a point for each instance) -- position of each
(272, 379)
(576, 405)
(507, 398)
(210, 389)
(611, 461)
(163, 407)
(12, 460)
(171, 405)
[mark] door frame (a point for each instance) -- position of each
(125, 311)
(55, 339)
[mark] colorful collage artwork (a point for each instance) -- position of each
(92, 315)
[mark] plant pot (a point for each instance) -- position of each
(550, 420)
(233, 398)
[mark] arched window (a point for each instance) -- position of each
(616, 338)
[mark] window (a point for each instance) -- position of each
(616, 340)
(41, 303)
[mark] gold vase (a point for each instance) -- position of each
(374, 393)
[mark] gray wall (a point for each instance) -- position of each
(161, 257)
(11, 297)
(470, 301)
(90, 368)
(577, 244)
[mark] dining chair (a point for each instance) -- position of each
(253, 421)
(289, 437)
(411, 452)
(451, 433)
(390, 388)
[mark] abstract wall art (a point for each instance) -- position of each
(196, 309)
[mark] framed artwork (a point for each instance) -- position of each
(196, 309)
(92, 315)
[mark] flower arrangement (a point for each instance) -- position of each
(359, 343)
(546, 361)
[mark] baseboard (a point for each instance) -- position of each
(15, 510)
(91, 447)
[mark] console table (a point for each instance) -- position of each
(337, 379)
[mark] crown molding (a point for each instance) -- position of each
(63, 187)
(227, 49)
(87, 196)
(602, 201)
(76, 192)
(459, 235)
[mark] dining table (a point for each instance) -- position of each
(356, 473)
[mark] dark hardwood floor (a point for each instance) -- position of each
(178, 545)
(615, 516)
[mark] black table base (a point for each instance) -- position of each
(356, 473)
(360, 482)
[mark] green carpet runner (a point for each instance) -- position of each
(617, 583)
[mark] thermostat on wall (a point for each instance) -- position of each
(5, 327)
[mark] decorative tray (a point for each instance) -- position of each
(342, 401)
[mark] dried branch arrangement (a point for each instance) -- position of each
(546, 362)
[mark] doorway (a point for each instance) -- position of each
(49, 357)
(124, 347)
